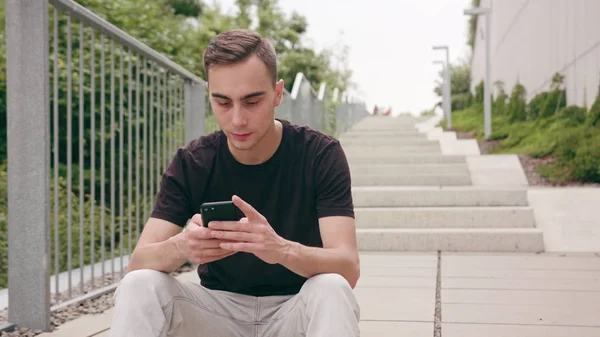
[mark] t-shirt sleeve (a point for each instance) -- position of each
(333, 183)
(173, 198)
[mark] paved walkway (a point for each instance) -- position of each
(517, 295)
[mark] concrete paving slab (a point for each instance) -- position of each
(496, 170)
(395, 329)
(573, 299)
(398, 272)
(591, 285)
(540, 275)
(398, 260)
(87, 325)
(505, 330)
(436, 196)
(396, 304)
(521, 261)
(444, 217)
(514, 314)
(367, 281)
(569, 217)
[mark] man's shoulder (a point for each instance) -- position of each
(309, 139)
(201, 150)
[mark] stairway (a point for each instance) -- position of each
(408, 196)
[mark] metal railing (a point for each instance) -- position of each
(79, 89)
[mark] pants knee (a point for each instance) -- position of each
(330, 290)
(141, 285)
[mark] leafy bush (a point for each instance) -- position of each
(516, 104)
(593, 118)
(536, 104)
(573, 114)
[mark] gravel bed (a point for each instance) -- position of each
(90, 307)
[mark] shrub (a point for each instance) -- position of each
(516, 105)
(593, 118)
(536, 104)
(573, 115)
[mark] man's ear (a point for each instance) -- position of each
(279, 92)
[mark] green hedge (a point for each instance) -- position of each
(544, 127)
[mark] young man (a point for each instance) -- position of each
(289, 266)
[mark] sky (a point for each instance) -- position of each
(390, 44)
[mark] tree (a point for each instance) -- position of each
(460, 85)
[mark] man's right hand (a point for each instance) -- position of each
(198, 246)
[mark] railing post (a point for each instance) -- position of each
(28, 146)
(195, 110)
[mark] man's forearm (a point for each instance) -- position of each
(309, 261)
(162, 256)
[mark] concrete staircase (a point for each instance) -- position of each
(408, 196)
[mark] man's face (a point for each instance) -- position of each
(243, 99)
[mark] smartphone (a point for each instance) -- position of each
(219, 211)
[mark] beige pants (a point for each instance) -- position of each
(149, 303)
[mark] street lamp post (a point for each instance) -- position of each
(487, 99)
(447, 100)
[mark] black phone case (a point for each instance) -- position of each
(219, 211)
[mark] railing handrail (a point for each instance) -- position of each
(95, 21)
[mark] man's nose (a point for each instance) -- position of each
(239, 116)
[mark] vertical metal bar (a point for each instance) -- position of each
(145, 143)
(158, 131)
(69, 153)
(56, 164)
(195, 109)
(137, 148)
(112, 160)
(28, 71)
(172, 125)
(93, 155)
(151, 134)
(102, 157)
(81, 141)
(178, 133)
(129, 150)
(165, 128)
(181, 113)
(121, 112)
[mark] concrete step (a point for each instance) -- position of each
(387, 141)
(409, 169)
(411, 180)
(451, 240)
(385, 133)
(430, 196)
(445, 217)
(369, 158)
(391, 150)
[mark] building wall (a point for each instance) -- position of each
(534, 39)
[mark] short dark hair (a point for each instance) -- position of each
(236, 45)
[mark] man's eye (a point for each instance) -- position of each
(224, 103)
(252, 102)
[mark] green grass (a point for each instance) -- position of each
(572, 143)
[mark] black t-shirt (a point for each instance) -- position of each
(307, 178)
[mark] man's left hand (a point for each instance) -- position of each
(252, 234)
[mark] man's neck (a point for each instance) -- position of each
(263, 150)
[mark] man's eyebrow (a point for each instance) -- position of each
(254, 94)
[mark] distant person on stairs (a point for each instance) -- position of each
(289, 265)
